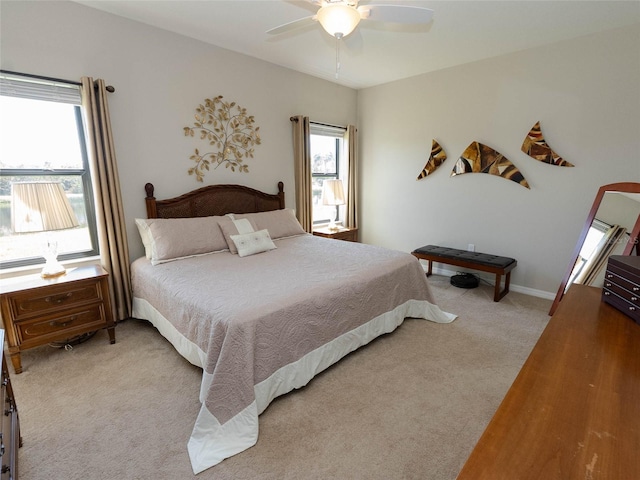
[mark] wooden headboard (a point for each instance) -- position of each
(214, 200)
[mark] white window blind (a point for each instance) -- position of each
(327, 130)
(13, 85)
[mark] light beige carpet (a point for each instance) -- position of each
(410, 405)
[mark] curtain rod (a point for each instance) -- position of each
(109, 88)
(295, 119)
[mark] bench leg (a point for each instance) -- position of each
(497, 294)
(429, 265)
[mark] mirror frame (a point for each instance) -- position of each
(627, 187)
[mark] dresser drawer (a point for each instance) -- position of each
(67, 324)
(628, 308)
(622, 288)
(625, 279)
(7, 421)
(5, 405)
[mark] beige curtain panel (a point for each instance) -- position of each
(302, 164)
(351, 140)
(112, 234)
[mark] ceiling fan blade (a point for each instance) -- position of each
(288, 27)
(396, 14)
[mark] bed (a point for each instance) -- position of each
(261, 320)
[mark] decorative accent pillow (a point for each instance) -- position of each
(167, 239)
(280, 223)
(230, 226)
(252, 243)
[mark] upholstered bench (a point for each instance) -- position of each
(473, 260)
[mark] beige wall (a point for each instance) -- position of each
(586, 94)
(160, 78)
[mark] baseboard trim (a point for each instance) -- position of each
(491, 281)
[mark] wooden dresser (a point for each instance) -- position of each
(573, 411)
(37, 311)
(10, 425)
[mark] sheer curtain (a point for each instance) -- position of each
(302, 163)
(112, 234)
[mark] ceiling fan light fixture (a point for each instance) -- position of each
(338, 20)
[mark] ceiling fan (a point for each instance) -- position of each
(340, 17)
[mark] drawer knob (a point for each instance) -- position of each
(633, 309)
(55, 323)
(607, 293)
(608, 285)
(58, 299)
(634, 299)
(609, 275)
(636, 289)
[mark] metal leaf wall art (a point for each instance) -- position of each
(228, 130)
(479, 158)
(536, 147)
(437, 158)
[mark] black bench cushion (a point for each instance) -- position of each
(475, 257)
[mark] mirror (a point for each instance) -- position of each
(612, 228)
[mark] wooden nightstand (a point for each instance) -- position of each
(38, 311)
(348, 234)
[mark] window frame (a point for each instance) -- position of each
(336, 132)
(84, 173)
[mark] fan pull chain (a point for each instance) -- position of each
(338, 38)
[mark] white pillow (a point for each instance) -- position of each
(252, 243)
(280, 223)
(167, 239)
(145, 235)
(231, 226)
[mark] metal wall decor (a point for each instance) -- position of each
(228, 130)
(536, 147)
(437, 158)
(479, 158)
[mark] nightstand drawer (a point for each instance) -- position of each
(72, 322)
(26, 305)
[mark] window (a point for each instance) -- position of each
(596, 233)
(42, 139)
(326, 163)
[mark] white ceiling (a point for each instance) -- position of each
(461, 32)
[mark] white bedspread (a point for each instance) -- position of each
(262, 325)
